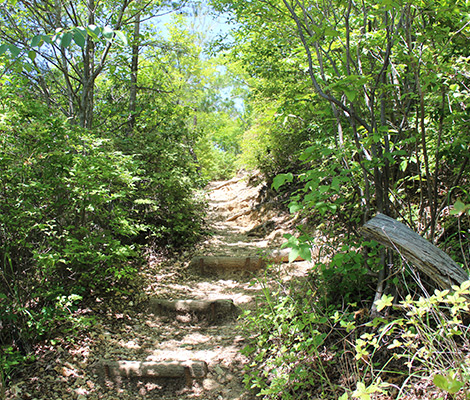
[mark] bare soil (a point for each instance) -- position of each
(125, 328)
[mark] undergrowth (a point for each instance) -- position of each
(304, 347)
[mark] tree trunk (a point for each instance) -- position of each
(134, 70)
(88, 78)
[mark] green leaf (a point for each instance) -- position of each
(79, 37)
(66, 39)
(36, 41)
(447, 383)
(385, 301)
(32, 55)
(294, 207)
(47, 39)
(3, 48)
(108, 33)
(93, 31)
(305, 253)
(350, 94)
(293, 254)
(459, 208)
(280, 179)
(122, 37)
(335, 183)
(15, 51)
(330, 32)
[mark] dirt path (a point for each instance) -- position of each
(151, 329)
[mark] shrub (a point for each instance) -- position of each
(289, 331)
(65, 197)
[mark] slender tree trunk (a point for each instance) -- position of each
(88, 78)
(134, 69)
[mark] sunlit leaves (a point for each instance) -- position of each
(281, 179)
(460, 208)
(32, 55)
(94, 31)
(451, 382)
(37, 40)
(385, 301)
(14, 50)
(122, 37)
(108, 33)
(299, 248)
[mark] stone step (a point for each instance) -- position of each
(115, 371)
(209, 310)
(216, 265)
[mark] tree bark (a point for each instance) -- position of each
(429, 259)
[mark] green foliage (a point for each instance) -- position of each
(450, 382)
(290, 331)
(65, 200)
(428, 336)
(274, 140)
(300, 246)
(347, 276)
(65, 223)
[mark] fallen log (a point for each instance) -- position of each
(429, 259)
(212, 309)
(188, 370)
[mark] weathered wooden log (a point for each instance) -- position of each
(429, 259)
(212, 309)
(216, 264)
(188, 370)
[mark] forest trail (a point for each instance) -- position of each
(181, 339)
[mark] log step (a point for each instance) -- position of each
(213, 310)
(189, 370)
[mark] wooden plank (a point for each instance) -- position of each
(429, 259)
